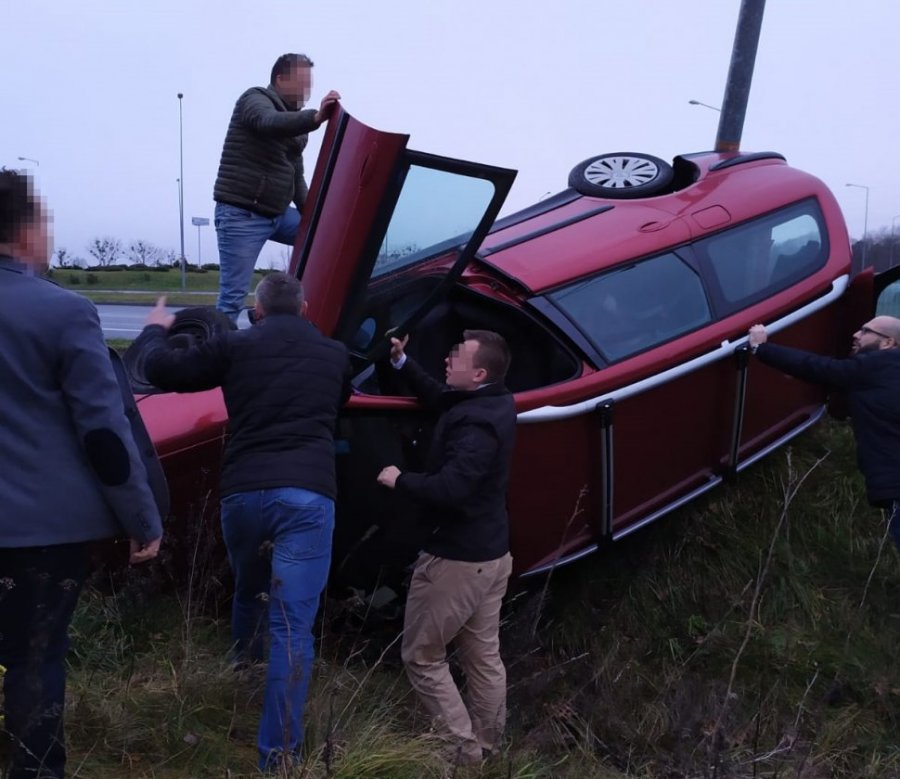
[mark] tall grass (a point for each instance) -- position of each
(751, 635)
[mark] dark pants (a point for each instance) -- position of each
(39, 587)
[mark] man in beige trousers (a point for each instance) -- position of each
(460, 578)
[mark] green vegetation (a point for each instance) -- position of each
(119, 344)
(751, 635)
(142, 286)
(117, 278)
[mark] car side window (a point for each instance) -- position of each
(762, 257)
(635, 307)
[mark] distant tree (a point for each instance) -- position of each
(145, 253)
(391, 255)
(62, 257)
(106, 251)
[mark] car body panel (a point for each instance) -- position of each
(355, 167)
(607, 442)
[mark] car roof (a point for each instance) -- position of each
(576, 236)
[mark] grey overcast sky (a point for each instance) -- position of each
(89, 90)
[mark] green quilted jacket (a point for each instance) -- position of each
(261, 168)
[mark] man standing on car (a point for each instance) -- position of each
(870, 377)
(461, 576)
(261, 172)
(70, 474)
(283, 383)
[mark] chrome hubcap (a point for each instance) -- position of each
(621, 172)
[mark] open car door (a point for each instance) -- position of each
(378, 210)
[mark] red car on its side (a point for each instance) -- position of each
(626, 301)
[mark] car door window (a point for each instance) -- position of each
(633, 308)
(754, 260)
(436, 209)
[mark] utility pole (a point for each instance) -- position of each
(181, 190)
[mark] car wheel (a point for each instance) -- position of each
(192, 326)
(621, 175)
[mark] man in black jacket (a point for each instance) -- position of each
(461, 576)
(283, 384)
(871, 379)
(261, 172)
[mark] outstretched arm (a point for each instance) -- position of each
(180, 370)
(427, 388)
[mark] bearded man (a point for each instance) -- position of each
(870, 377)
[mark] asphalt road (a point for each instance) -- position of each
(128, 321)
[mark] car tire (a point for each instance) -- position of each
(192, 326)
(621, 176)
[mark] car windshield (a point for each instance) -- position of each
(437, 210)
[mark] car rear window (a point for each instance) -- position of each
(632, 308)
(759, 258)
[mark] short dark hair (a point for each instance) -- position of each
(18, 205)
(492, 354)
(279, 293)
(287, 62)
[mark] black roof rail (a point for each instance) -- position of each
(752, 157)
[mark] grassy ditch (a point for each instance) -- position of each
(751, 635)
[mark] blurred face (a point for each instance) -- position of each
(34, 243)
(872, 336)
(296, 85)
(461, 371)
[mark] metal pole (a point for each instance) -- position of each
(181, 189)
(199, 254)
(740, 74)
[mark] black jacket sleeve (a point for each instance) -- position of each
(849, 373)
(471, 450)
(183, 370)
(347, 386)
(427, 388)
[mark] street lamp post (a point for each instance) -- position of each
(893, 225)
(181, 189)
(865, 219)
(705, 105)
(37, 164)
(198, 222)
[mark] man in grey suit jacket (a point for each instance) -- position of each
(70, 474)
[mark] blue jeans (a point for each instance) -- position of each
(279, 547)
(39, 587)
(241, 235)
